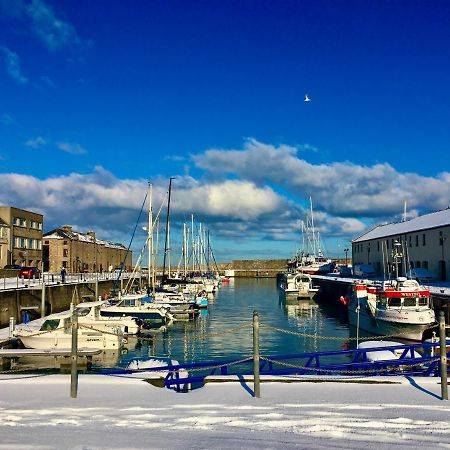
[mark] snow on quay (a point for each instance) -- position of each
(36, 412)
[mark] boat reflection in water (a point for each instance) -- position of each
(107, 358)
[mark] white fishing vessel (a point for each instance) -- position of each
(56, 332)
(399, 308)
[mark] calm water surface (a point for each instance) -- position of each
(224, 329)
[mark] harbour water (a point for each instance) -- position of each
(224, 330)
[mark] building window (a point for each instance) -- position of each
(411, 264)
(47, 242)
(423, 240)
(23, 243)
(417, 240)
(39, 245)
(417, 264)
(64, 264)
(378, 246)
(441, 238)
(65, 252)
(410, 240)
(31, 243)
(64, 242)
(425, 264)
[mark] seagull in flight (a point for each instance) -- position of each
(307, 99)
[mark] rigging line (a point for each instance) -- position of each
(116, 281)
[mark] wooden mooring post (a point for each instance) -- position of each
(256, 380)
(74, 354)
(443, 353)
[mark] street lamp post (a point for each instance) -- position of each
(346, 255)
(397, 254)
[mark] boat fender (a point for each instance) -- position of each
(343, 300)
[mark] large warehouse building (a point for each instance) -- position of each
(395, 247)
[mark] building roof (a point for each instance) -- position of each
(61, 233)
(421, 223)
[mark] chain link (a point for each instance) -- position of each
(336, 338)
(354, 371)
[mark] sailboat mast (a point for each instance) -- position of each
(167, 227)
(193, 243)
(312, 226)
(150, 234)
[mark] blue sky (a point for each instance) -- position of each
(97, 98)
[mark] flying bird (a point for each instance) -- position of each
(307, 99)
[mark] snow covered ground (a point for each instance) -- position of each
(312, 413)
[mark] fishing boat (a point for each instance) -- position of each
(400, 308)
(56, 332)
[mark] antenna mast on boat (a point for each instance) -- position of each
(404, 212)
(167, 229)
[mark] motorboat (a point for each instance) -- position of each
(400, 308)
(299, 283)
(138, 306)
(89, 316)
(55, 332)
(386, 351)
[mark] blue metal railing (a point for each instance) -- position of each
(347, 362)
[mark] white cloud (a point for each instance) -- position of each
(72, 148)
(341, 188)
(12, 65)
(36, 142)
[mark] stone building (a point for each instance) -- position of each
(395, 247)
(24, 239)
(4, 243)
(82, 252)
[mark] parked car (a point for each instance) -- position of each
(421, 275)
(29, 272)
(364, 271)
(12, 266)
(346, 271)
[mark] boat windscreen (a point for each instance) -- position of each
(50, 324)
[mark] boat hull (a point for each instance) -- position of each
(380, 327)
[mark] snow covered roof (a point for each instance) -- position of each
(64, 233)
(425, 222)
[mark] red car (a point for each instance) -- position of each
(29, 272)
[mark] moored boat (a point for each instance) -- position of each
(56, 332)
(400, 308)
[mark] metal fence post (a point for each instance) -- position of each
(12, 326)
(74, 354)
(43, 299)
(256, 381)
(443, 352)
